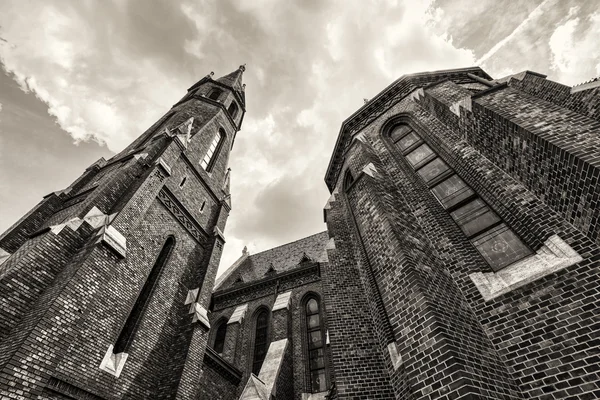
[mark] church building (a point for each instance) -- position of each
(460, 261)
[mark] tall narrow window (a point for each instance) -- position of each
(135, 316)
(213, 151)
(348, 180)
(261, 343)
(233, 109)
(220, 337)
(496, 242)
(215, 94)
(316, 346)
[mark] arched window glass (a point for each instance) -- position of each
(233, 109)
(260, 340)
(215, 94)
(316, 346)
(213, 151)
(220, 337)
(496, 242)
(137, 312)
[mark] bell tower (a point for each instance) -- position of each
(105, 285)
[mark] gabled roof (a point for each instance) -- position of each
(280, 259)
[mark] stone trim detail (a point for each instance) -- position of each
(330, 244)
(188, 222)
(315, 396)
(183, 132)
(163, 164)
(113, 363)
(111, 237)
(191, 297)
(370, 170)
(4, 255)
(591, 84)
(217, 232)
(238, 314)
(282, 301)
(201, 315)
(553, 256)
(395, 355)
(464, 103)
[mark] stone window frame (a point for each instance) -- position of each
(253, 325)
(233, 109)
(209, 160)
(554, 255)
(215, 93)
(305, 347)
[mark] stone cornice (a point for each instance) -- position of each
(389, 96)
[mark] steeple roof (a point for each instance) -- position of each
(234, 79)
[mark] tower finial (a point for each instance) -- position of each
(243, 67)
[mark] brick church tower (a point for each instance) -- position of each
(105, 285)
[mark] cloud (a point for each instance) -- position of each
(107, 73)
(537, 13)
(574, 46)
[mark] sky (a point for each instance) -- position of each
(80, 80)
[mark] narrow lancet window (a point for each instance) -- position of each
(316, 346)
(261, 343)
(213, 151)
(220, 337)
(233, 109)
(137, 312)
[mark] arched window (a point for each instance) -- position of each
(137, 312)
(315, 334)
(213, 151)
(261, 340)
(215, 94)
(348, 180)
(220, 337)
(490, 235)
(233, 109)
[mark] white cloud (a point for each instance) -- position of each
(574, 46)
(534, 16)
(107, 73)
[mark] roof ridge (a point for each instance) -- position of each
(288, 243)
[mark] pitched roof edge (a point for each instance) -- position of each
(288, 243)
(380, 94)
(229, 271)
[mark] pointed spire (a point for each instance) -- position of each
(234, 79)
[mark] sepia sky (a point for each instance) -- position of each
(82, 79)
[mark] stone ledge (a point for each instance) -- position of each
(395, 355)
(238, 314)
(112, 238)
(200, 315)
(282, 301)
(553, 256)
(113, 363)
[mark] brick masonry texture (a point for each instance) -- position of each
(393, 273)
